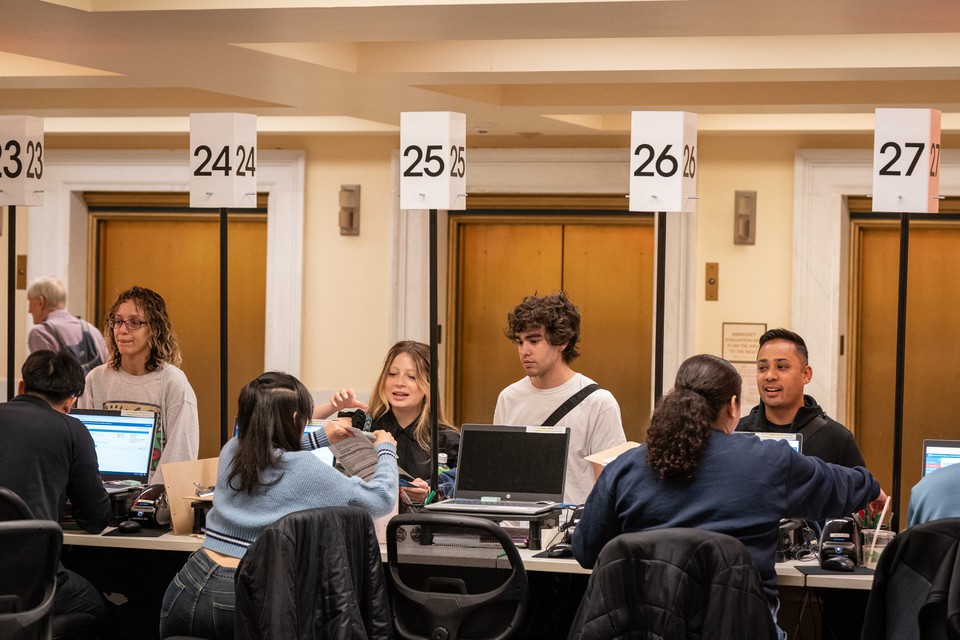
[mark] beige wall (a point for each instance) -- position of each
(347, 279)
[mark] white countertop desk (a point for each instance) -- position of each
(787, 573)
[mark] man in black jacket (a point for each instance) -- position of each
(47, 456)
(782, 373)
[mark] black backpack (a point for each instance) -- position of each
(85, 353)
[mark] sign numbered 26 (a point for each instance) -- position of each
(663, 160)
(906, 161)
(21, 160)
(223, 160)
(433, 160)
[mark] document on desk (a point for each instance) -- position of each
(357, 456)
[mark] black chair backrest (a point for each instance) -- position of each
(674, 583)
(12, 507)
(29, 557)
(454, 576)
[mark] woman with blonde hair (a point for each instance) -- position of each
(143, 374)
(401, 406)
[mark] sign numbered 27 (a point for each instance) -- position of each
(663, 160)
(21, 160)
(906, 161)
(433, 160)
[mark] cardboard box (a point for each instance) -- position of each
(179, 478)
(603, 458)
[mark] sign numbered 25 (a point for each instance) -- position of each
(433, 160)
(21, 160)
(663, 160)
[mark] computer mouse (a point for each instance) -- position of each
(560, 550)
(128, 526)
(838, 563)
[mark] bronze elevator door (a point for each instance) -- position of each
(179, 259)
(605, 267)
(932, 352)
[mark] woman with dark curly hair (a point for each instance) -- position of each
(143, 374)
(695, 472)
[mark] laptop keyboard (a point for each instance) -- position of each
(501, 503)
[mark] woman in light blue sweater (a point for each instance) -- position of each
(265, 473)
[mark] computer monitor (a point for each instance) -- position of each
(940, 453)
(795, 440)
(123, 441)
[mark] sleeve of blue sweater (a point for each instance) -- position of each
(818, 490)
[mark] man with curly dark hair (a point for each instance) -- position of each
(546, 331)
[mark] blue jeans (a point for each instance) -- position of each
(199, 600)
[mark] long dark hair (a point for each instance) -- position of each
(683, 419)
(271, 414)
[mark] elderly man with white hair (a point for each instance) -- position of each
(56, 329)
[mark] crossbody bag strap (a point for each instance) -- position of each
(812, 427)
(569, 404)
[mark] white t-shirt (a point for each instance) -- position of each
(595, 424)
(165, 391)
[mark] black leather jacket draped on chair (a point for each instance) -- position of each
(674, 584)
(314, 574)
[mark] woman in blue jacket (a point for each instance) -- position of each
(694, 472)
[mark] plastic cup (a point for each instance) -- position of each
(871, 551)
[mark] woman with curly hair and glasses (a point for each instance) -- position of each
(695, 472)
(142, 374)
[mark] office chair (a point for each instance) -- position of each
(916, 586)
(29, 556)
(313, 574)
(674, 583)
(12, 506)
(65, 626)
(454, 577)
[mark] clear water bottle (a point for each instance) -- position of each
(442, 463)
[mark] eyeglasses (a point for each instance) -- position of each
(132, 324)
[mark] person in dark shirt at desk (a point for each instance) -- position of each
(783, 371)
(47, 456)
(693, 471)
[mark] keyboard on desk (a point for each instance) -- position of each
(476, 505)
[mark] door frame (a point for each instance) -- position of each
(58, 230)
(823, 179)
(601, 172)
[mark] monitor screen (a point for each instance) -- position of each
(795, 440)
(940, 453)
(123, 441)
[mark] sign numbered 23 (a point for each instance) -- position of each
(663, 160)
(433, 160)
(21, 160)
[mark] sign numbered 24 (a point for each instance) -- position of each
(223, 160)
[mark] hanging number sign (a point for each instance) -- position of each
(21, 161)
(223, 160)
(433, 161)
(663, 160)
(906, 161)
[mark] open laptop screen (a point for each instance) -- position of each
(324, 453)
(512, 463)
(940, 453)
(123, 440)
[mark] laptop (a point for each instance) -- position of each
(513, 471)
(795, 440)
(940, 453)
(124, 444)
